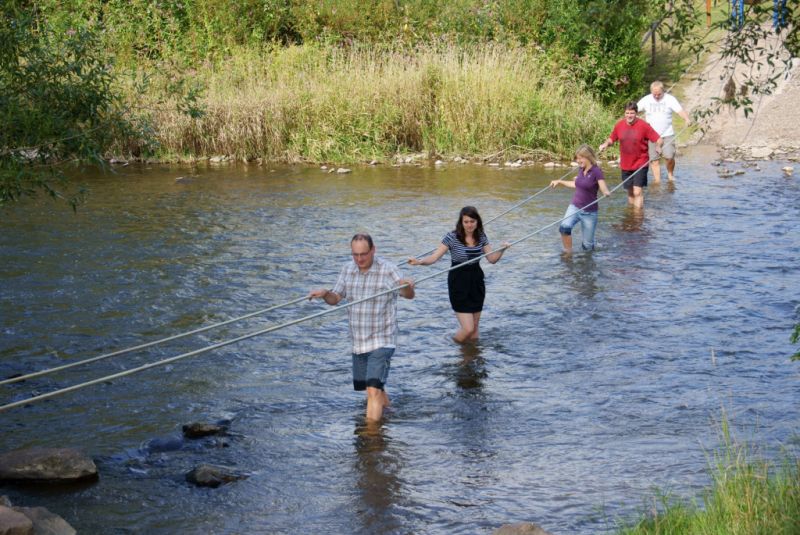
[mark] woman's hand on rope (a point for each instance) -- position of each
(554, 183)
(414, 261)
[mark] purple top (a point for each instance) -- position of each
(586, 188)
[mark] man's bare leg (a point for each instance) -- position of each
(671, 169)
(638, 197)
(375, 403)
(655, 167)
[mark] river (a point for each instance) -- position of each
(599, 378)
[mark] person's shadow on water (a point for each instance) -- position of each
(632, 220)
(580, 272)
(470, 372)
(377, 467)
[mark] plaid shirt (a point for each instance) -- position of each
(373, 323)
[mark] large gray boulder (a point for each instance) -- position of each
(14, 523)
(46, 464)
(45, 522)
(520, 528)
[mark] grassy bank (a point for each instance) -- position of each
(316, 103)
(748, 496)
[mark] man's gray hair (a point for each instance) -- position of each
(362, 236)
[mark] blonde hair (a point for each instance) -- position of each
(586, 151)
(657, 85)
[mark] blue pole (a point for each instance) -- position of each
(779, 14)
(737, 13)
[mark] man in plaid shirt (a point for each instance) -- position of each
(373, 322)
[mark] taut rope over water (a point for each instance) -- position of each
(266, 330)
(104, 356)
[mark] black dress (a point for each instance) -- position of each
(465, 285)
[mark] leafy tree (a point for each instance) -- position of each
(57, 104)
(756, 49)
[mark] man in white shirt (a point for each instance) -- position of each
(659, 107)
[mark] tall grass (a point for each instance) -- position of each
(749, 496)
(317, 103)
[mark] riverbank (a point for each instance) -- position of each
(315, 104)
(748, 495)
(769, 131)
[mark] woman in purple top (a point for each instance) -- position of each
(589, 180)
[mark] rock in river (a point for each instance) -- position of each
(46, 464)
(210, 475)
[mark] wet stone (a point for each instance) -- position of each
(45, 522)
(14, 523)
(199, 430)
(210, 475)
(46, 464)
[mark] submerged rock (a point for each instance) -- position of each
(162, 444)
(46, 464)
(210, 475)
(521, 528)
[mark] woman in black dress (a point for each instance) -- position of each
(465, 284)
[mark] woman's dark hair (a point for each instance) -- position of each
(472, 213)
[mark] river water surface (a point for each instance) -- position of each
(599, 379)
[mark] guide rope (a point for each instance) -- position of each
(104, 356)
(266, 330)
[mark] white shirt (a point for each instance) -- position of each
(659, 112)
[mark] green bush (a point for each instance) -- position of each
(597, 40)
(57, 103)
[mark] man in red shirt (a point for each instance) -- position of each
(633, 134)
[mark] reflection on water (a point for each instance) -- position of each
(591, 383)
(377, 466)
(470, 371)
(580, 273)
(632, 220)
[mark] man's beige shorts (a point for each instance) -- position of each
(667, 150)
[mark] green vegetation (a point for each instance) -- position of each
(318, 103)
(354, 80)
(57, 103)
(315, 80)
(597, 40)
(748, 496)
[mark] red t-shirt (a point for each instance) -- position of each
(633, 140)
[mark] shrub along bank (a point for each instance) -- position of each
(353, 80)
(330, 104)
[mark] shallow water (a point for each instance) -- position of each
(598, 378)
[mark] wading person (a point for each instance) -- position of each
(589, 180)
(633, 134)
(373, 323)
(658, 108)
(465, 285)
